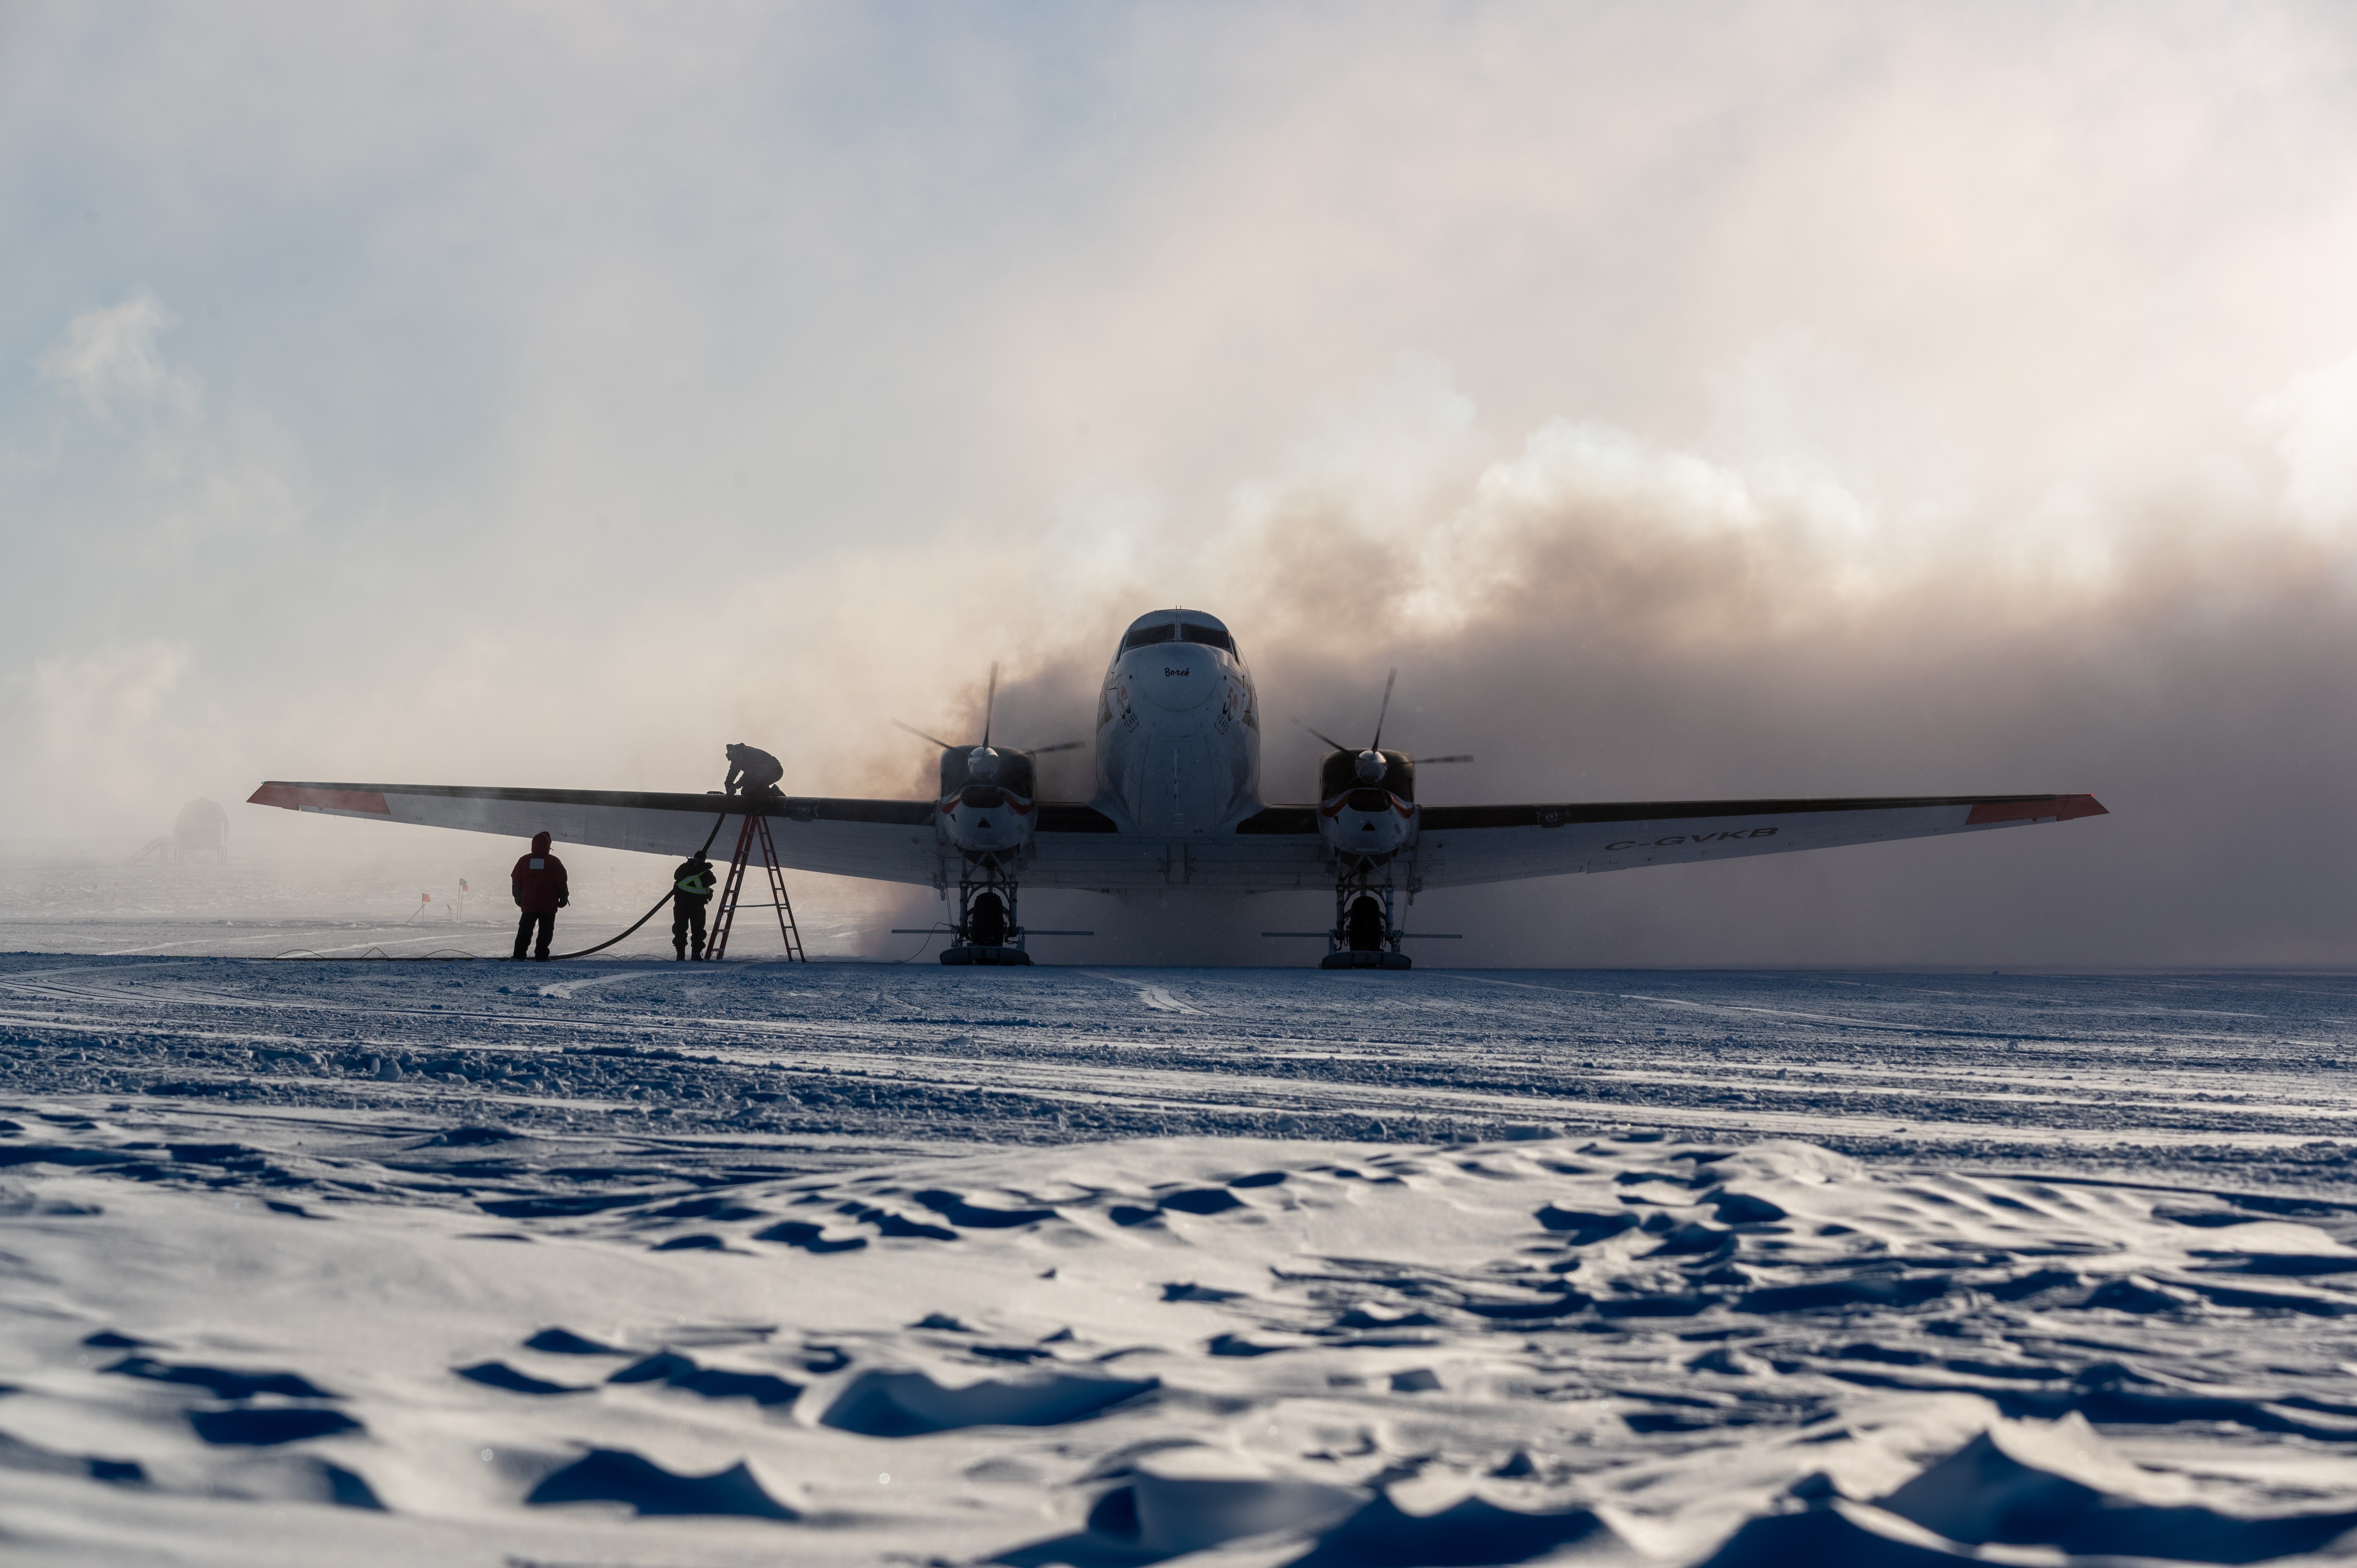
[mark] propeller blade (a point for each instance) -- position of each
(1328, 739)
(1428, 761)
(921, 735)
(1066, 745)
(989, 704)
(1377, 744)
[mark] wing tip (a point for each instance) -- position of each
(2036, 809)
(320, 797)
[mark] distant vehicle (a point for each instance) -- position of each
(200, 831)
(1177, 804)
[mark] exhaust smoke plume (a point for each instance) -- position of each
(1600, 620)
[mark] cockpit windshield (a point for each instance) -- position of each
(1179, 632)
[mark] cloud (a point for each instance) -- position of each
(2315, 421)
(114, 689)
(108, 356)
(99, 727)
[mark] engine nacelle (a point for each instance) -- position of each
(988, 803)
(1366, 803)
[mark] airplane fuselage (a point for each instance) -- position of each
(1177, 736)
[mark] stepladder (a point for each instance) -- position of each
(753, 836)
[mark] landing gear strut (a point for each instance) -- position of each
(986, 929)
(1365, 935)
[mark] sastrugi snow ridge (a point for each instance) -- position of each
(622, 1341)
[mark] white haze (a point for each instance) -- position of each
(1695, 402)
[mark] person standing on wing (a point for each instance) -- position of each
(753, 771)
(690, 891)
(540, 893)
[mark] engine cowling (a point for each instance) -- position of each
(1366, 803)
(988, 802)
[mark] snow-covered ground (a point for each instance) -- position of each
(637, 1262)
(447, 894)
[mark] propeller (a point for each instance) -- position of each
(1371, 760)
(1384, 712)
(921, 735)
(1331, 744)
(989, 709)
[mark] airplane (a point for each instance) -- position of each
(1177, 804)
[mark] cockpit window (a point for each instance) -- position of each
(1207, 637)
(1146, 634)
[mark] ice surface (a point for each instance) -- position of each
(395, 1263)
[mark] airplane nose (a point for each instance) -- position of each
(1183, 677)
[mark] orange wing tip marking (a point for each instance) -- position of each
(2053, 809)
(309, 797)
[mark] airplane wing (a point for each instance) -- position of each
(1279, 849)
(890, 841)
(885, 840)
(1461, 845)
(1275, 851)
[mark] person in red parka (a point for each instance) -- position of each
(540, 893)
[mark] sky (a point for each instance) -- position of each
(1691, 401)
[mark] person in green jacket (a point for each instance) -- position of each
(690, 891)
